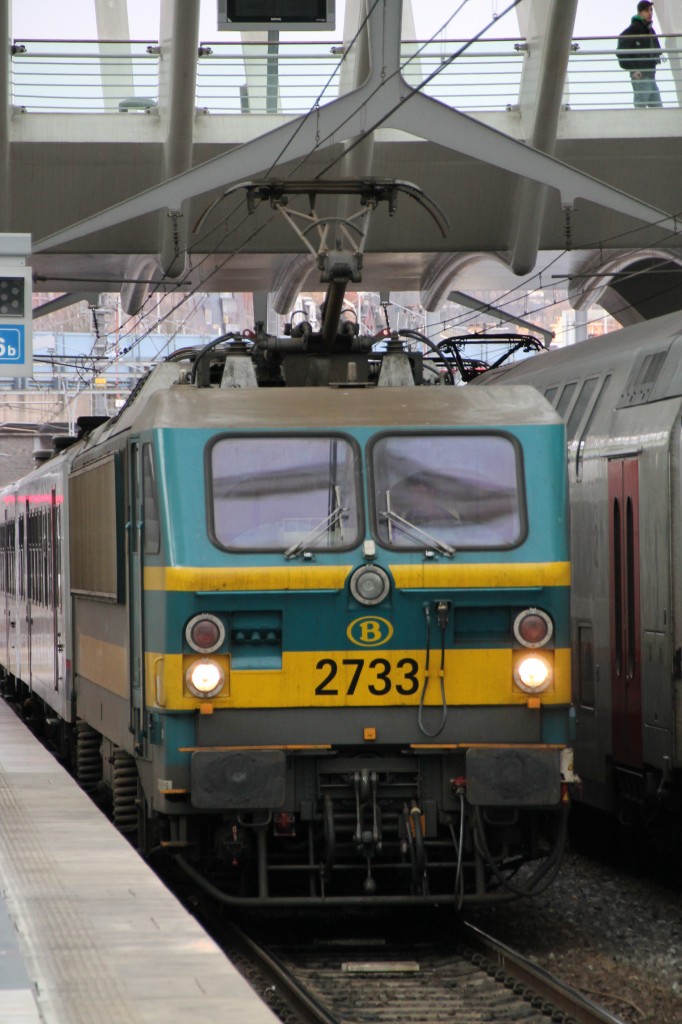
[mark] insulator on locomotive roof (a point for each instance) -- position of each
(238, 369)
(395, 344)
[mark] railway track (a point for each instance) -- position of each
(348, 981)
(461, 976)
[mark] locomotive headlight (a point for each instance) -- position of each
(532, 674)
(533, 628)
(205, 678)
(370, 584)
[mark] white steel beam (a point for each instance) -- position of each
(384, 100)
(550, 31)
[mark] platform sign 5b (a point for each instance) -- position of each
(12, 345)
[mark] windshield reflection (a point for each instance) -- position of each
(283, 493)
(460, 489)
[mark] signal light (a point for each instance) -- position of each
(533, 628)
(205, 633)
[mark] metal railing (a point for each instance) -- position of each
(85, 77)
(238, 78)
(595, 81)
(290, 78)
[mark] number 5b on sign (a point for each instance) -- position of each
(12, 344)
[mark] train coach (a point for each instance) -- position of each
(307, 630)
(621, 398)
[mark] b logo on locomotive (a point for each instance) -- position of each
(369, 632)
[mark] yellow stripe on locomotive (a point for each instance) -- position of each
(349, 679)
(233, 579)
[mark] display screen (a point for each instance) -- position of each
(276, 11)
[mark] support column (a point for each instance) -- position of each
(580, 325)
(548, 30)
(261, 309)
(113, 34)
(261, 91)
(5, 113)
(668, 22)
(177, 99)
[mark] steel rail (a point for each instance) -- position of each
(276, 983)
(538, 989)
(489, 953)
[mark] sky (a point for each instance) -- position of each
(75, 19)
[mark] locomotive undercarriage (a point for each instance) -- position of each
(387, 829)
(397, 829)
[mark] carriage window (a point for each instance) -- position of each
(586, 429)
(458, 490)
(565, 400)
(285, 493)
(581, 403)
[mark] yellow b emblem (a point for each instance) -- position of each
(369, 631)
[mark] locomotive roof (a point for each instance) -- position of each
(300, 408)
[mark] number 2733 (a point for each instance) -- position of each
(379, 676)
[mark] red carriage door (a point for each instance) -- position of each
(626, 676)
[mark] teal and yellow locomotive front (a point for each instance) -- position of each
(349, 632)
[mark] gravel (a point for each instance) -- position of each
(615, 935)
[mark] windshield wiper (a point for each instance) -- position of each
(324, 524)
(407, 526)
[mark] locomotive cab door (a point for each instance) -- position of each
(6, 590)
(626, 681)
(135, 591)
(7, 568)
(27, 582)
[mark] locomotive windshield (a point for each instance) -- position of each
(447, 491)
(284, 493)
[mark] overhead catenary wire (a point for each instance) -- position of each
(283, 150)
(179, 284)
(370, 129)
(461, 320)
(134, 321)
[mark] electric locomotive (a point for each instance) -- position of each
(621, 398)
(303, 621)
(306, 622)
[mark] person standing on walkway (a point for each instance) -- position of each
(639, 52)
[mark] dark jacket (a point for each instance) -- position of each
(645, 50)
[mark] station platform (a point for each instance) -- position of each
(87, 931)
